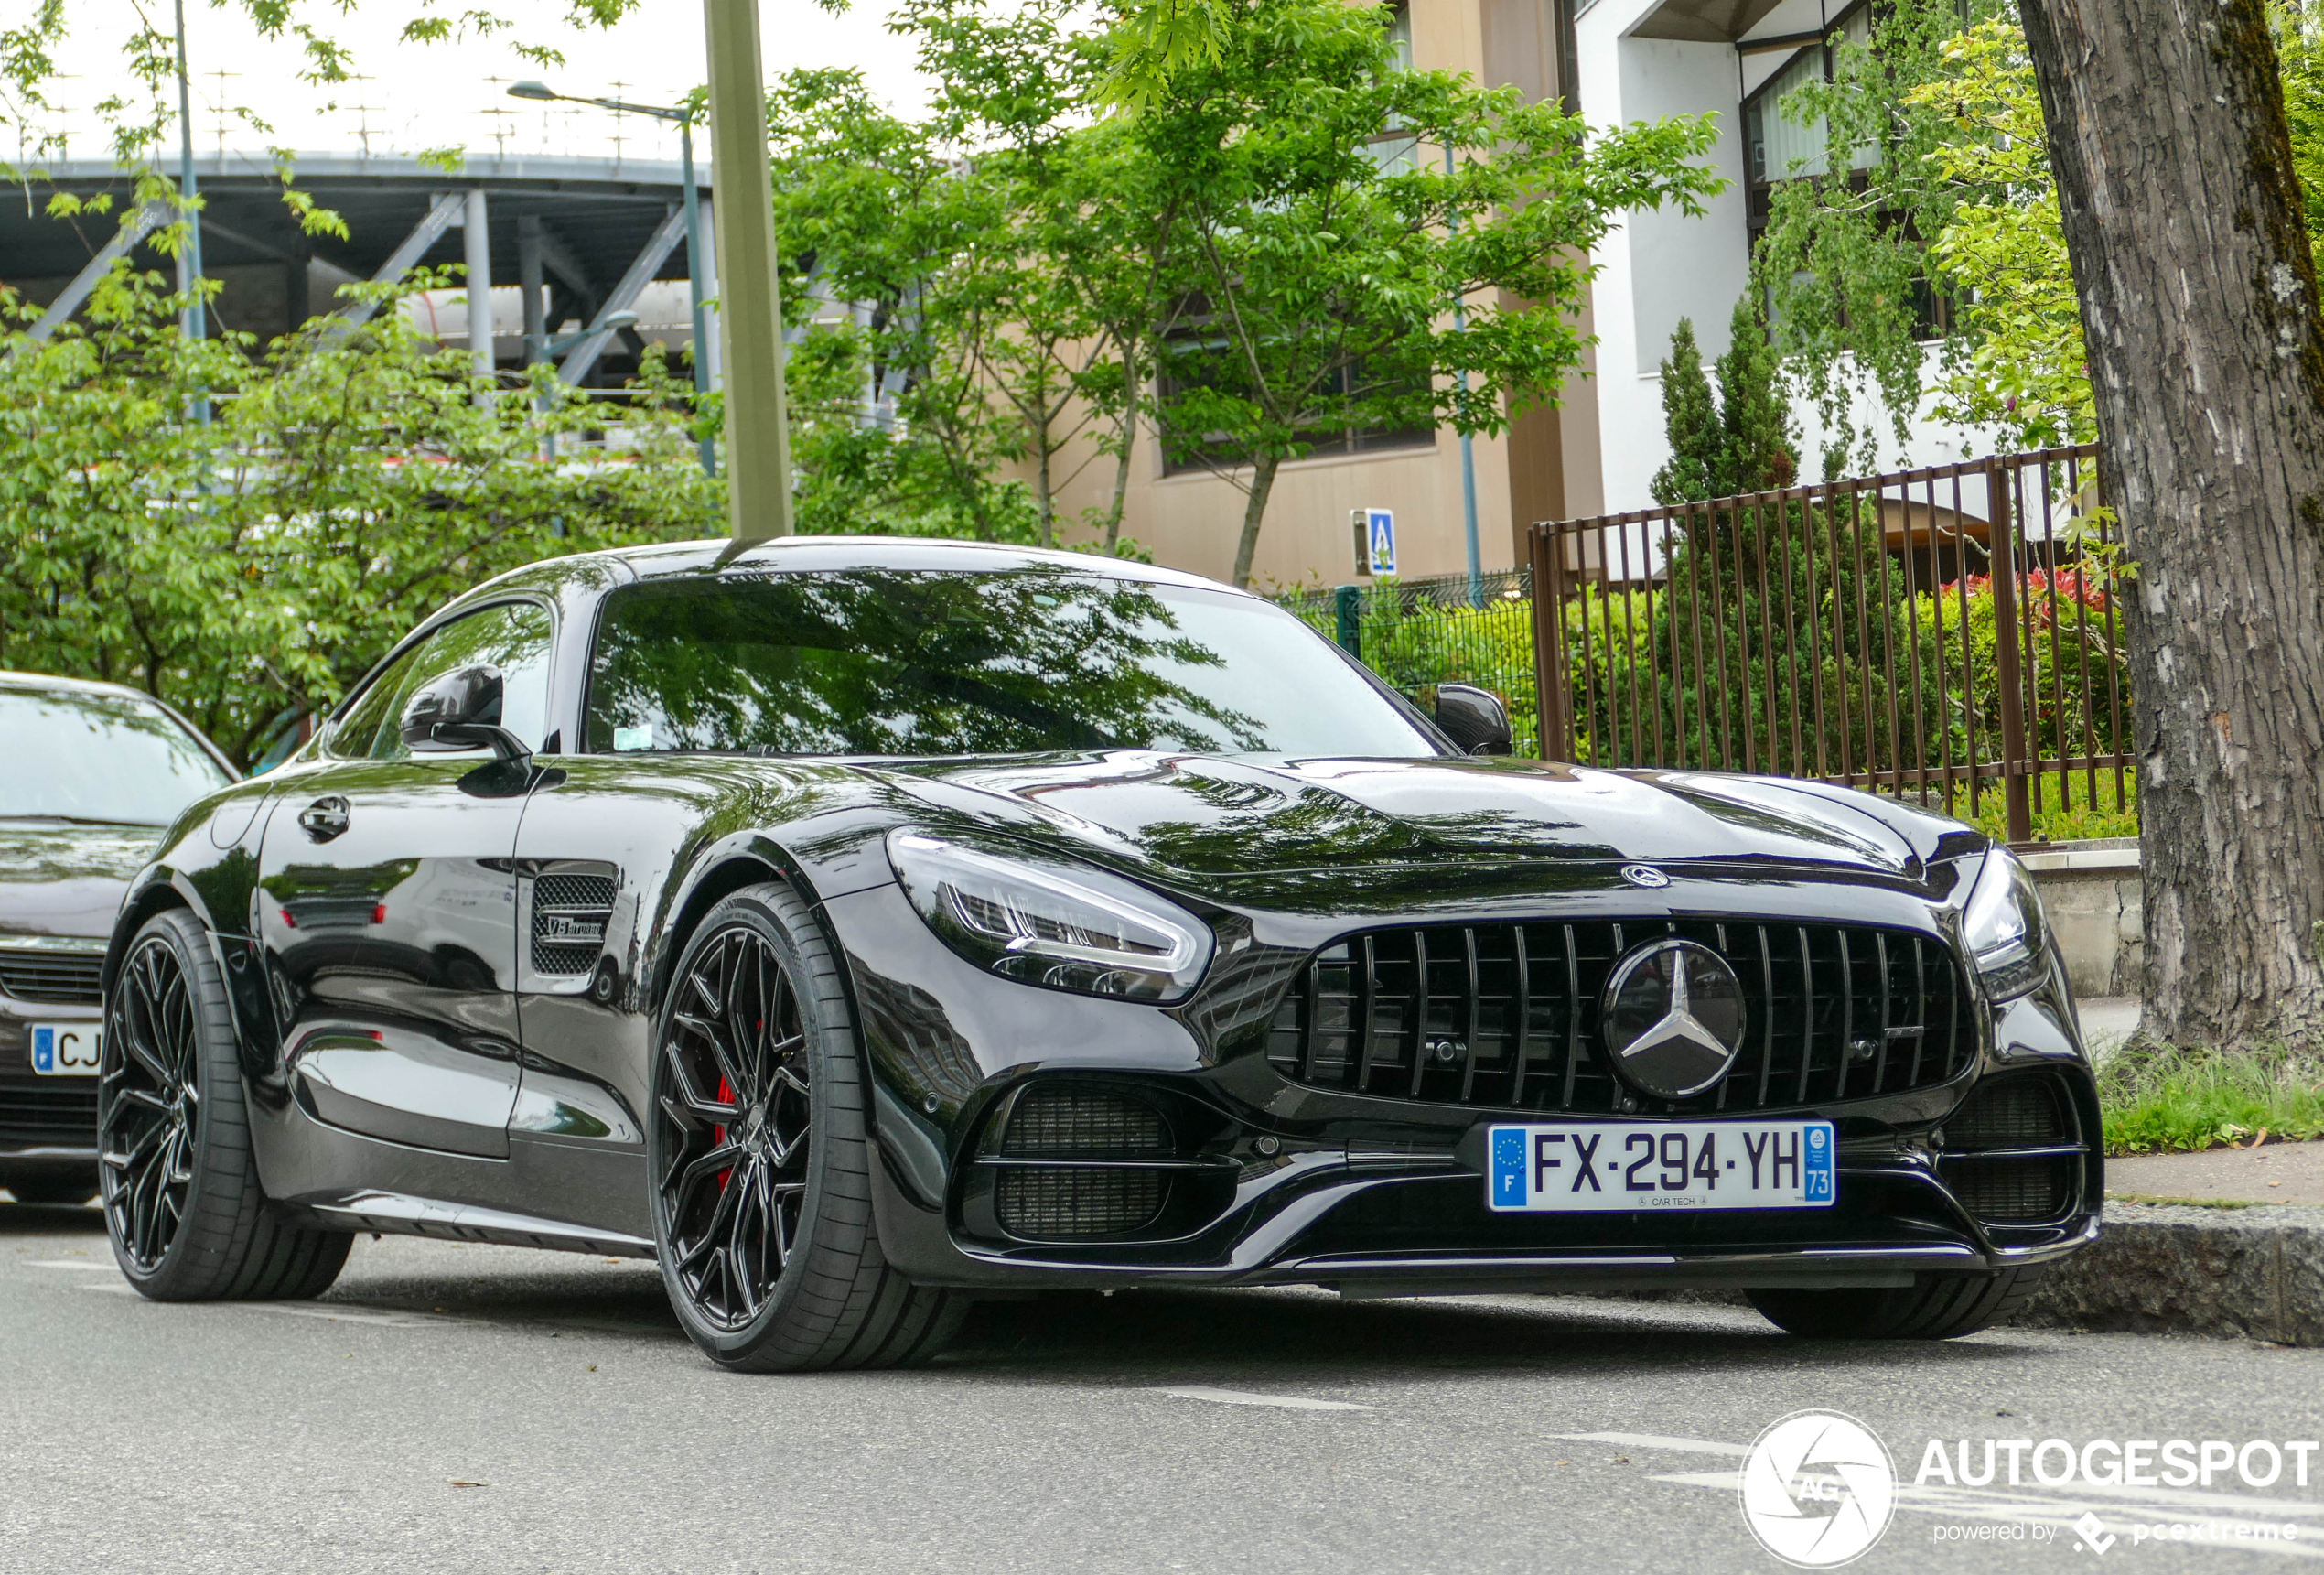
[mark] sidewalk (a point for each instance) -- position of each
(2273, 1173)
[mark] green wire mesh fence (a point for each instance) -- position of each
(1418, 634)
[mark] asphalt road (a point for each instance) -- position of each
(456, 1408)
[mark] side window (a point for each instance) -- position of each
(513, 636)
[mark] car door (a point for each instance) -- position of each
(389, 903)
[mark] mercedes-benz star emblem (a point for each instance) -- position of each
(1645, 875)
(1674, 1017)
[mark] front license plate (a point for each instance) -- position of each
(1666, 1165)
(65, 1048)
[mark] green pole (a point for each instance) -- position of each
(749, 316)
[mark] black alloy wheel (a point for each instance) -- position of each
(737, 1102)
(148, 1100)
(183, 1206)
(759, 1159)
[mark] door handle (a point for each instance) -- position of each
(324, 819)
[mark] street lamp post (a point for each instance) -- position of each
(197, 326)
(692, 200)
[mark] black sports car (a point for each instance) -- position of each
(859, 927)
(89, 774)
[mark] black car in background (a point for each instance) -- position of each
(90, 775)
(859, 927)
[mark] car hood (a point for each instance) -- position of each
(64, 877)
(1200, 820)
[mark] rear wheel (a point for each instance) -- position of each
(183, 1206)
(1933, 1307)
(761, 1160)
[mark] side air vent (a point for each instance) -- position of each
(570, 913)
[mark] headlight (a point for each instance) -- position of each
(1049, 922)
(2003, 925)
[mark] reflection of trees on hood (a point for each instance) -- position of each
(900, 663)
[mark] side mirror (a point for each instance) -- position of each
(1474, 719)
(460, 711)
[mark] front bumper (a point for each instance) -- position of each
(46, 1124)
(1378, 1196)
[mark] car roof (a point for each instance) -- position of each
(829, 554)
(52, 684)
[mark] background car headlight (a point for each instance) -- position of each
(2002, 923)
(1049, 922)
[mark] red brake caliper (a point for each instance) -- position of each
(718, 1134)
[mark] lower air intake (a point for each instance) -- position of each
(1085, 1123)
(2014, 1192)
(2009, 1113)
(1062, 1204)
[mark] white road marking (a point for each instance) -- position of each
(106, 1267)
(1659, 1441)
(1244, 1398)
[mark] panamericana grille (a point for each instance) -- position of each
(52, 978)
(1059, 1203)
(1085, 1123)
(35, 1117)
(1506, 1016)
(570, 913)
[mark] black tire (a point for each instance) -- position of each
(68, 1191)
(183, 1206)
(760, 1161)
(1934, 1307)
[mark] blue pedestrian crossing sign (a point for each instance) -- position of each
(1380, 541)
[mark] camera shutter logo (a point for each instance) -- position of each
(1818, 1489)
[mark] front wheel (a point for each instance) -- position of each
(179, 1184)
(760, 1161)
(1933, 1307)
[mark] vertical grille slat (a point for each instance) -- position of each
(1373, 1014)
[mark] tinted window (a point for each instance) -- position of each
(97, 757)
(513, 636)
(894, 662)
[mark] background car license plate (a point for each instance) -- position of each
(1661, 1165)
(65, 1048)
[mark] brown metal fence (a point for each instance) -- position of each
(1941, 634)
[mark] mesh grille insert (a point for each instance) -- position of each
(2011, 1113)
(1506, 1016)
(1088, 1122)
(62, 1118)
(53, 978)
(1063, 1204)
(570, 913)
(2013, 1191)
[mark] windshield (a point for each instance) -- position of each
(887, 662)
(77, 756)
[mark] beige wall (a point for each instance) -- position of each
(1544, 468)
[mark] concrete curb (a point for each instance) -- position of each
(2255, 1274)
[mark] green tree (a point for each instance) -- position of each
(249, 569)
(1323, 241)
(1737, 441)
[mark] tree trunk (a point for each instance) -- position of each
(1045, 497)
(2198, 299)
(1121, 478)
(1255, 511)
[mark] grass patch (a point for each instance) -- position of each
(2181, 1202)
(2076, 815)
(2161, 1100)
